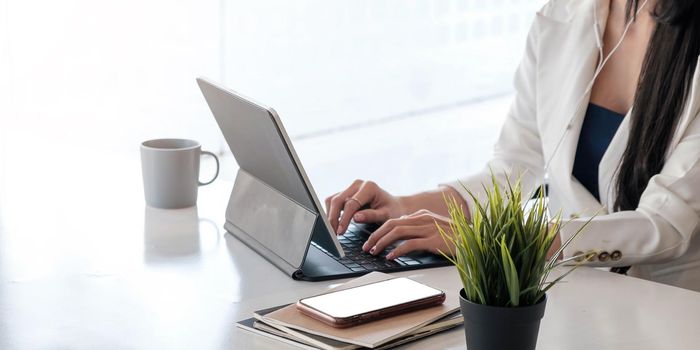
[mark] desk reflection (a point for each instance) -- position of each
(175, 233)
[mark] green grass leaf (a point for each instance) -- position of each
(501, 251)
(511, 274)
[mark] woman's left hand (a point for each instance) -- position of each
(418, 230)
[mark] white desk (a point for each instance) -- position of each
(84, 265)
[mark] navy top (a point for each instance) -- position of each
(599, 127)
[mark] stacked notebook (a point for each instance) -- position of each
(286, 324)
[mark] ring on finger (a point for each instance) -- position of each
(354, 200)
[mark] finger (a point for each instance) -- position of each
(408, 246)
(337, 203)
(400, 232)
(364, 195)
(386, 228)
(371, 215)
(334, 211)
(328, 201)
(420, 212)
(350, 207)
(428, 214)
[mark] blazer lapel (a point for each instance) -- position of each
(567, 47)
(610, 162)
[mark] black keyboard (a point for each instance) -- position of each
(357, 260)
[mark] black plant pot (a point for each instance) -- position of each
(495, 328)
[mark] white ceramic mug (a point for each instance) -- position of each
(170, 170)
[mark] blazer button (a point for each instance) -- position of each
(616, 255)
(591, 255)
(603, 256)
(579, 256)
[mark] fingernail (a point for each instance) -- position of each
(359, 217)
(390, 256)
(371, 251)
(339, 230)
(364, 246)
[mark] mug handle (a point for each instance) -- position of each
(217, 168)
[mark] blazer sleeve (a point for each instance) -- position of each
(661, 228)
(518, 150)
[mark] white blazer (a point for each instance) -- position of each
(658, 239)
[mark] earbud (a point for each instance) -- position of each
(596, 28)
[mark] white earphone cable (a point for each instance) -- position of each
(589, 87)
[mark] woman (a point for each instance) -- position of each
(606, 105)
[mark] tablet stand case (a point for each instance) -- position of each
(257, 213)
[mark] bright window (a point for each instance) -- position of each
(406, 92)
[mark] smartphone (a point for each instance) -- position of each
(357, 305)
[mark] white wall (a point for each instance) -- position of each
(4, 85)
(107, 74)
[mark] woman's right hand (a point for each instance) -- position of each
(363, 201)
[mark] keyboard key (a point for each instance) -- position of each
(389, 263)
(425, 259)
(364, 230)
(357, 260)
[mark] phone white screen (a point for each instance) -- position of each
(371, 297)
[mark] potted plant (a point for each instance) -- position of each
(501, 256)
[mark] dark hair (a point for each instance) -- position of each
(664, 86)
